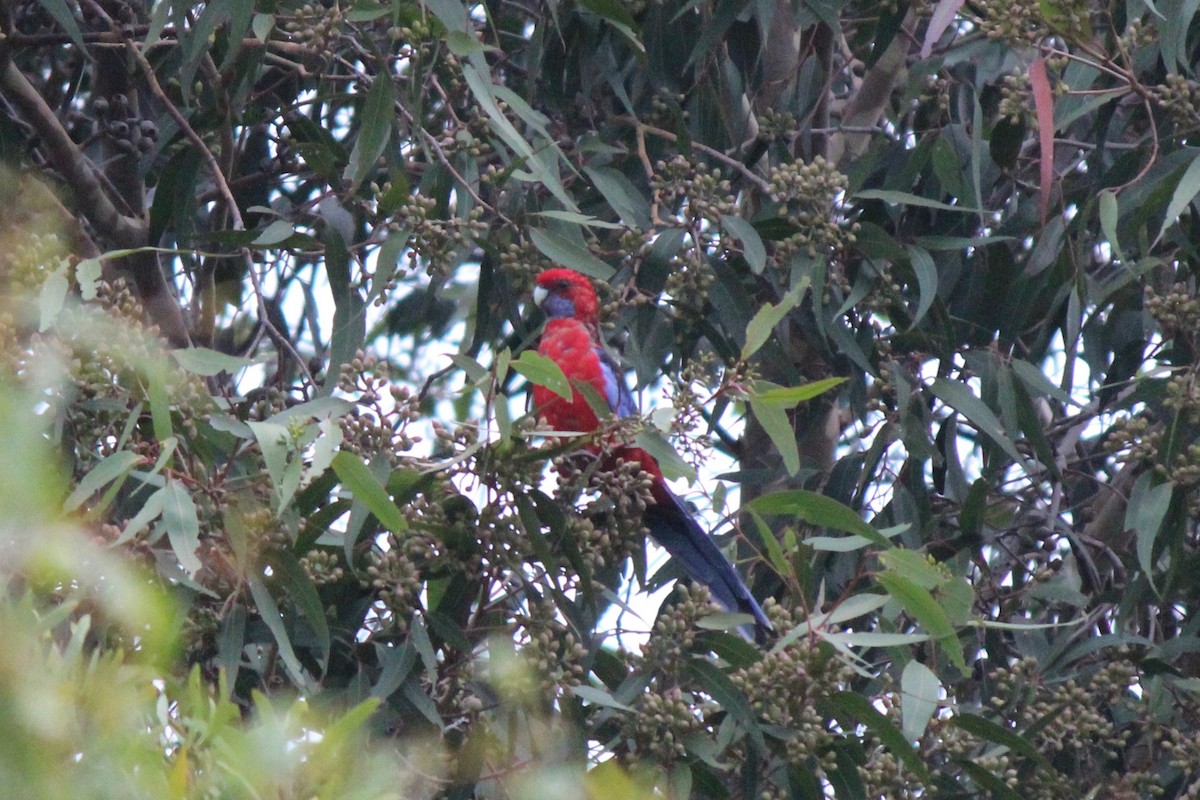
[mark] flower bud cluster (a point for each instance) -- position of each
(553, 651)
(659, 729)
(785, 686)
(691, 188)
(396, 582)
(316, 27)
(1180, 97)
(807, 195)
(433, 241)
(120, 123)
(322, 566)
(379, 422)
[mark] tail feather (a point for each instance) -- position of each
(677, 531)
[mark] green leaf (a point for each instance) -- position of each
(1144, 515)
(304, 595)
(357, 478)
(563, 251)
(959, 397)
(269, 612)
(182, 524)
(610, 10)
(927, 282)
(874, 638)
(52, 298)
(376, 118)
(791, 396)
(205, 362)
(817, 509)
(920, 692)
(1185, 192)
(543, 371)
(766, 318)
(908, 199)
(576, 218)
(481, 85)
(396, 664)
(88, 273)
(914, 566)
(921, 606)
(778, 426)
(262, 26)
(752, 244)
(670, 462)
(349, 313)
(846, 544)
(464, 44)
(60, 12)
(1109, 216)
(717, 685)
(116, 466)
(275, 442)
(160, 400)
(989, 731)
(629, 204)
(853, 709)
(599, 697)
(150, 511)
(274, 234)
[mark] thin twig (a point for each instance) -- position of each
(745, 171)
(226, 194)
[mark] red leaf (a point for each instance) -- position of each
(1043, 106)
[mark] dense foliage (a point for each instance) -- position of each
(277, 520)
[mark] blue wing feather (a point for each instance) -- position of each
(620, 399)
(677, 531)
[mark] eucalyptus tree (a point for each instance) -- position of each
(920, 276)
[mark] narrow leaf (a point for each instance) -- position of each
(205, 362)
(752, 244)
(1148, 506)
(52, 298)
(908, 199)
(356, 477)
(775, 421)
(60, 12)
(920, 692)
(766, 318)
(622, 196)
(670, 462)
(563, 251)
(269, 612)
(1185, 192)
(183, 525)
(817, 509)
(959, 397)
(1043, 107)
(110, 469)
(543, 371)
(790, 396)
(927, 281)
(376, 116)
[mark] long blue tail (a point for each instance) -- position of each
(677, 531)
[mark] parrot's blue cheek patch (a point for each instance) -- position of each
(559, 307)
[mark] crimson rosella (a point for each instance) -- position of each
(572, 340)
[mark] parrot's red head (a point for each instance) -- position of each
(565, 294)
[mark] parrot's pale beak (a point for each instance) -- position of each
(540, 293)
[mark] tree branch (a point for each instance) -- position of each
(66, 157)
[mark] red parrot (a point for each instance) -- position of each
(572, 340)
